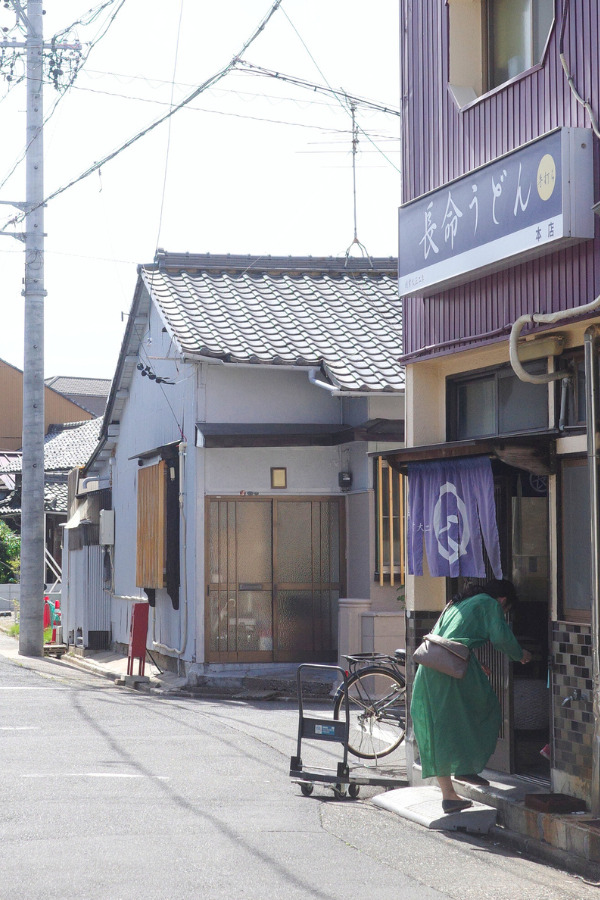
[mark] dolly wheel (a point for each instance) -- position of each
(307, 789)
(354, 790)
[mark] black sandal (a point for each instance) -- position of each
(452, 806)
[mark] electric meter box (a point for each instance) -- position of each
(107, 527)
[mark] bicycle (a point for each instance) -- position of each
(377, 699)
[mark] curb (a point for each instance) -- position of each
(543, 852)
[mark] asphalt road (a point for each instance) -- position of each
(110, 794)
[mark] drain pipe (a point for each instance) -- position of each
(183, 578)
(312, 377)
(591, 410)
(591, 400)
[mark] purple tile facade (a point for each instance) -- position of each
(443, 143)
(573, 722)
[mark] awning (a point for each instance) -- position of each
(534, 452)
(165, 451)
(252, 434)
(78, 518)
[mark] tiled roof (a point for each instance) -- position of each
(92, 387)
(55, 500)
(65, 446)
(341, 315)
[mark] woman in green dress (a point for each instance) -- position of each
(457, 721)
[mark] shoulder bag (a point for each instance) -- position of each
(443, 654)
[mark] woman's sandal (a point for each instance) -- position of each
(472, 779)
(452, 806)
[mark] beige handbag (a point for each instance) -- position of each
(443, 654)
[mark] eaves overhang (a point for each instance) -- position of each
(252, 434)
(532, 452)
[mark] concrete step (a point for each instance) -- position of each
(423, 805)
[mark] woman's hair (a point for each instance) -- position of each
(470, 589)
(502, 587)
(497, 587)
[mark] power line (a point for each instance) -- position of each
(76, 61)
(301, 82)
(219, 112)
(164, 187)
(337, 94)
(214, 79)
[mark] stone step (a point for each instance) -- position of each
(423, 805)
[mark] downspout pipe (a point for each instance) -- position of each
(312, 377)
(542, 319)
(591, 405)
(591, 399)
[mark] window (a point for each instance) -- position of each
(390, 524)
(517, 35)
(573, 413)
(492, 41)
(496, 402)
(576, 541)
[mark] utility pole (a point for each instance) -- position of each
(31, 630)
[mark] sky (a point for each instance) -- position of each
(254, 165)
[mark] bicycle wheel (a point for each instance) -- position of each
(377, 699)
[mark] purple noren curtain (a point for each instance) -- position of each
(451, 504)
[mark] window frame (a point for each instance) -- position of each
(470, 84)
(497, 374)
(390, 569)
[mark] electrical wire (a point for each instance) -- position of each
(570, 79)
(301, 82)
(156, 83)
(78, 68)
(214, 79)
(220, 112)
(164, 187)
(334, 92)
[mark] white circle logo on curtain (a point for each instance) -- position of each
(449, 548)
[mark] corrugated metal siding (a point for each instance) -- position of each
(441, 143)
(98, 600)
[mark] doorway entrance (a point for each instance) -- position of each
(524, 691)
(275, 575)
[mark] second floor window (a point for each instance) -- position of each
(517, 34)
(492, 41)
(496, 402)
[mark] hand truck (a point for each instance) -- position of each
(343, 780)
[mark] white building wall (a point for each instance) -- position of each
(155, 415)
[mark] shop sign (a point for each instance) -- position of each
(532, 201)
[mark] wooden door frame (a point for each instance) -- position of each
(264, 656)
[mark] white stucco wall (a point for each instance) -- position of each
(155, 415)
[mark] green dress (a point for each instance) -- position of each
(457, 721)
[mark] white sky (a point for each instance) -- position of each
(254, 165)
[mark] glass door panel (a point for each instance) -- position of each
(294, 542)
(273, 570)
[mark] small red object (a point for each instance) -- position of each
(138, 633)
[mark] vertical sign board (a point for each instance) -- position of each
(532, 201)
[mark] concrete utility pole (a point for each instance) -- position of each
(31, 632)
